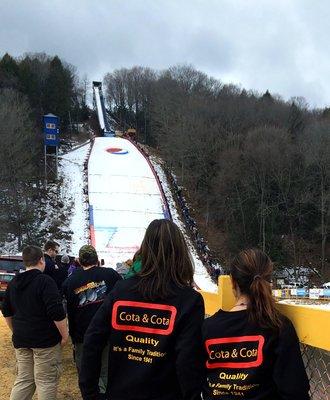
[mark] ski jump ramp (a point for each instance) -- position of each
(124, 197)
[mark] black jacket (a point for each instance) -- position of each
(51, 268)
(155, 346)
(33, 301)
(85, 291)
(247, 362)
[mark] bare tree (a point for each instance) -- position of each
(18, 165)
(316, 146)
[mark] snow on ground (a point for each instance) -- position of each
(124, 197)
(202, 278)
(72, 173)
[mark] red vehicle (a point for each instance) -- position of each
(5, 278)
(9, 267)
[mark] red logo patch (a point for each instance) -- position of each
(116, 150)
(235, 352)
(143, 317)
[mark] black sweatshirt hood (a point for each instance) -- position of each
(23, 280)
(34, 303)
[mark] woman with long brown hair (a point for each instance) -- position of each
(153, 323)
(252, 351)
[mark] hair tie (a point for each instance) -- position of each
(256, 277)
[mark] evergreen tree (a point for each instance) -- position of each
(59, 91)
(8, 72)
(267, 96)
(33, 70)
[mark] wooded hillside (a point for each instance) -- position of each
(256, 169)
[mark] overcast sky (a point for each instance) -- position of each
(280, 45)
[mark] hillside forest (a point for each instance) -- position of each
(255, 168)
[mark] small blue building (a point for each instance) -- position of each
(51, 130)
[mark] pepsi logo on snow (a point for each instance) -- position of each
(116, 150)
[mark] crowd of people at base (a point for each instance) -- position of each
(144, 337)
(211, 265)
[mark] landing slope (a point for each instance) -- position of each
(124, 197)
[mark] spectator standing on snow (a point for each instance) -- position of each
(84, 292)
(217, 272)
(33, 311)
(123, 267)
(152, 322)
(252, 351)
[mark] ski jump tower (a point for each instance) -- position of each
(98, 102)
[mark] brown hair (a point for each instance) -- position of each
(251, 270)
(165, 259)
(32, 255)
(50, 244)
(88, 256)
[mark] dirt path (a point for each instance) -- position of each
(68, 387)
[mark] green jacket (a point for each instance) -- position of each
(135, 268)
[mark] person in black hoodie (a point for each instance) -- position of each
(252, 351)
(153, 323)
(84, 292)
(34, 312)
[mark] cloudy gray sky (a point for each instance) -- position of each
(280, 45)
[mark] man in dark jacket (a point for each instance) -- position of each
(85, 291)
(51, 251)
(34, 312)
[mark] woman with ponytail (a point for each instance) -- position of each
(252, 351)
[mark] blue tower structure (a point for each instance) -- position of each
(51, 130)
